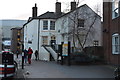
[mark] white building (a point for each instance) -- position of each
(83, 22)
(41, 30)
(53, 28)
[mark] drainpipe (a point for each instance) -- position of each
(38, 36)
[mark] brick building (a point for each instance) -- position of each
(16, 39)
(111, 31)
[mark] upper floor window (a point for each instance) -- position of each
(80, 23)
(116, 43)
(45, 25)
(115, 8)
(52, 25)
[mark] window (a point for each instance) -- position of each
(53, 37)
(52, 25)
(45, 25)
(18, 39)
(18, 33)
(18, 36)
(96, 42)
(45, 40)
(116, 43)
(18, 44)
(115, 8)
(80, 23)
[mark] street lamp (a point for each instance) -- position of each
(22, 49)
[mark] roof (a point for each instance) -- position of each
(52, 15)
(78, 8)
(48, 15)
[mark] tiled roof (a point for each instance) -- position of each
(48, 15)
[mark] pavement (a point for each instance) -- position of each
(20, 71)
(43, 69)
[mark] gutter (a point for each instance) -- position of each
(38, 36)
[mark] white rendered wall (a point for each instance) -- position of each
(31, 34)
(65, 23)
(44, 55)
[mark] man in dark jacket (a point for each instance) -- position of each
(25, 55)
(36, 55)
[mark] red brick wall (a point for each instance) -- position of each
(110, 26)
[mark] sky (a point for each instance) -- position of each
(22, 9)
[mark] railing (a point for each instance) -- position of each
(51, 51)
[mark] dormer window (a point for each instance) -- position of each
(115, 8)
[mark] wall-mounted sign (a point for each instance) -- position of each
(65, 49)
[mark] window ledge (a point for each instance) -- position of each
(116, 53)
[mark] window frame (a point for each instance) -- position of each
(114, 9)
(45, 26)
(52, 25)
(81, 23)
(115, 45)
(44, 40)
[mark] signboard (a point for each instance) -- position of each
(65, 49)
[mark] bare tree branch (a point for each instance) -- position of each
(89, 30)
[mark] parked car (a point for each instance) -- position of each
(7, 64)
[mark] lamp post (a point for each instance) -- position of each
(22, 49)
(22, 60)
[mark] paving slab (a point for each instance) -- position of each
(43, 69)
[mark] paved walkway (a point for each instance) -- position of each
(42, 69)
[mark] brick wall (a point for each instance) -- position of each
(110, 26)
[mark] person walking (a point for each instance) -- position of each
(17, 53)
(25, 55)
(30, 51)
(36, 55)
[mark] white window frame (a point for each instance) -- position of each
(115, 45)
(52, 25)
(115, 8)
(45, 25)
(45, 40)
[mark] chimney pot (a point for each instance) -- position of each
(34, 11)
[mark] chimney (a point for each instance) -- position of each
(58, 8)
(73, 6)
(34, 11)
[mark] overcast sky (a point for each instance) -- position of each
(22, 9)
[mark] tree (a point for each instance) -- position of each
(81, 26)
